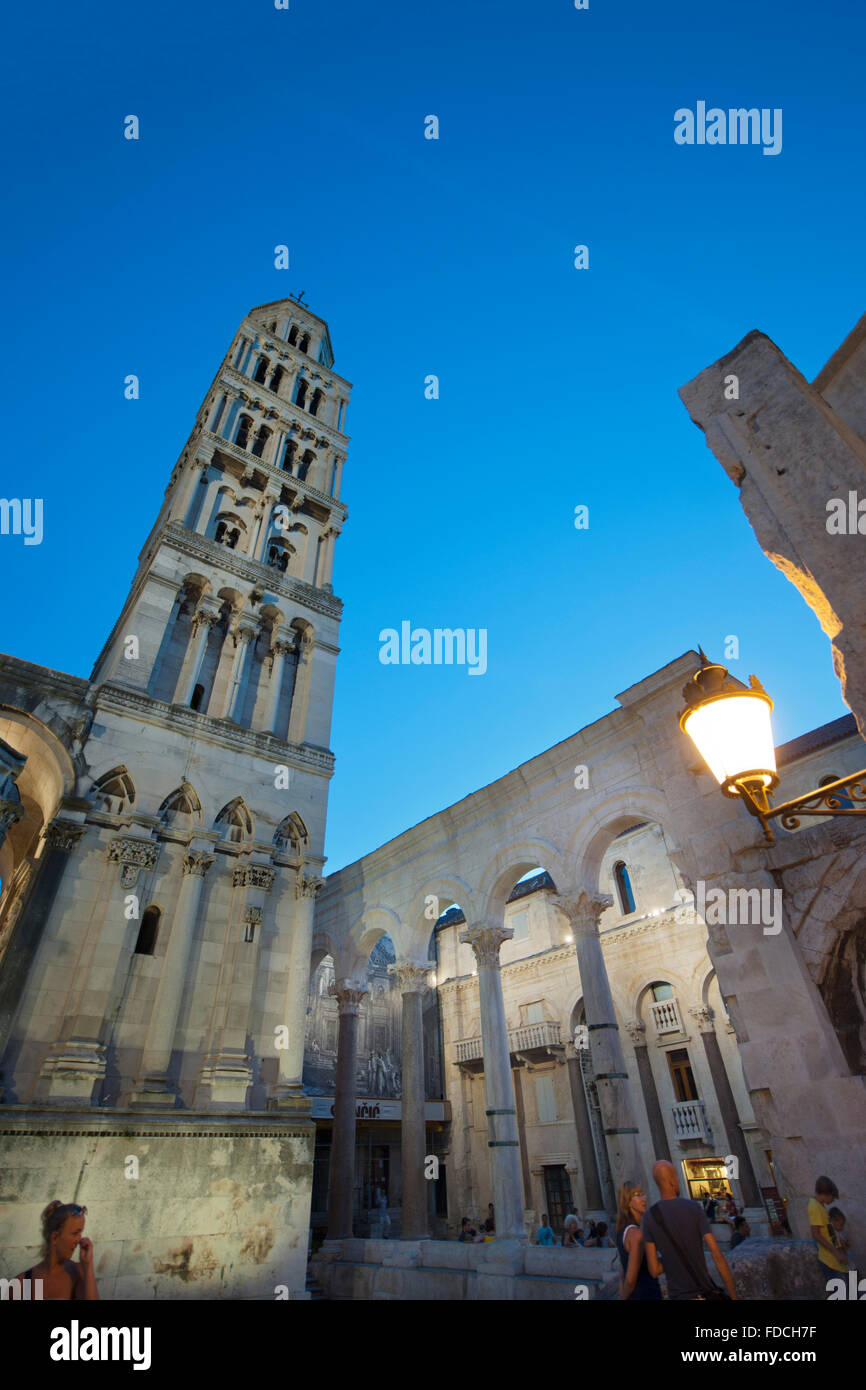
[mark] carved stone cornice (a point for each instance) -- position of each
(255, 571)
(197, 863)
(308, 887)
(485, 941)
(133, 855)
(412, 976)
(254, 876)
(220, 731)
(583, 910)
(349, 995)
(63, 835)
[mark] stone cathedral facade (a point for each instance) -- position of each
(161, 843)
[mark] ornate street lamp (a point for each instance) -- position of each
(729, 724)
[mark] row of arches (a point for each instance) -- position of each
(114, 792)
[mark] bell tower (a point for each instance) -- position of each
(231, 612)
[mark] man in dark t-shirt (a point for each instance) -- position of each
(687, 1222)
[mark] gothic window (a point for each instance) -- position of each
(277, 377)
(623, 888)
(262, 438)
(318, 397)
(235, 821)
(291, 834)
(245, 425)
(183, 801)
(147, 932)
(301, 393)
(681, 1074)
(197, 697)
(261, 370)
(114, 791)
(293, 335)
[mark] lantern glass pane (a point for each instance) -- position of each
(734, 735)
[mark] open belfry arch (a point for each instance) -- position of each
(162, 831)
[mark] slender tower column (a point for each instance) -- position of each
(341, 1180)
(154, 1087)
(284, 641)
(583, 911)
(503, 1143)
(291, 1059)
(301, 694)
(246, 636)
(207, 616)
(412, 978)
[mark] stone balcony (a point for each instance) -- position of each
(690, 1122)
(534, 1042)
(666, 1016)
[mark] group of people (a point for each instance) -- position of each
(483, 1233)
(572, 1234)
(827, 1224)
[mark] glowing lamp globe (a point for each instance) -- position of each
(729, 724)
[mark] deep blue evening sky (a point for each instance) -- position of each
(455, 257)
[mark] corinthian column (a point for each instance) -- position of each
(583, 911)
(282, 644)
(503, 1143)
(291, 1058)
(412, 979)
(207, 615)
(154, 1087)
(341, 1179)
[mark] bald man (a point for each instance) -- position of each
(677, 1219)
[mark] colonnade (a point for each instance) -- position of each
(620, 1129)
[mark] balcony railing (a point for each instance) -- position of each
(525, 1039)
(666, 1016)
(690, 1121)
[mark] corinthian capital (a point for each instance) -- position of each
(308, 887)
(63, 835)
(348, 994)
(412, 975)
(704, 1019)
(197, 863)
(583, 910)
(485, 941)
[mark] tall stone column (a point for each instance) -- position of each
(658, 1133)
(291, 1058)
(728, 1106)
(341, 1179)
(243, 634)
(61, 838)
(412, 978)
(301, 693)
(504, 1146)
(207, 616)
(583, 1125)
(154, 1087)
(271, 719)
(621, 1133)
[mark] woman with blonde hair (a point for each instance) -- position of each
(636, 1283)
(62, 1231)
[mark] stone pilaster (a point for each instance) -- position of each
(412, 977)
(728, 1106)
(658, 1133)
(291, 1058)
(503, 1142)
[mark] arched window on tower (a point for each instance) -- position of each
(301, 393)
(306, 464)
(318, 397)
(293, 335)
(262, 438)
(278, 556)
(290, 455)
(245, 425)
(278, 374)
(197, 697)
(261, 370)
(844, 802)
(147, 932)
(623, 888)
(304, 344)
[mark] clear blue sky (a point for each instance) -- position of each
(455, 257)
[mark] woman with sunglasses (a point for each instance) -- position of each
(62, 1278)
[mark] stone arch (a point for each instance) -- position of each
(114, 791)
(509, 866)
(181, 809)
(448, 889)
(603, 821)
(292, 833)
(235, 822)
